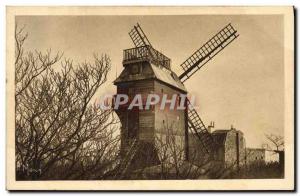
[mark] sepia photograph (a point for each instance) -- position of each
(150, 98)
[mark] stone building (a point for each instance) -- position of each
(231, 147)
(271, 156)
(255, 156)
(261, 156)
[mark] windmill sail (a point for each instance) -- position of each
(138, 37)
(196, 125)
(205, 53)
(144, 47)
(141, 41)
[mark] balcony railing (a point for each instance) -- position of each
(146, 53)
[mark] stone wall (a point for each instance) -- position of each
(271, 156)
(230, 147)
(255, 156)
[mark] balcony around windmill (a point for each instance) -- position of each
(146, 53)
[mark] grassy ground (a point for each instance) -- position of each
(262, 171)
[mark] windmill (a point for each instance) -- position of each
(145, 51)
(190, 66)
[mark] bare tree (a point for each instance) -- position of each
(59, 133)
(275, 142)
(172, 155)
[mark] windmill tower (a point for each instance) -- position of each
(147, 71)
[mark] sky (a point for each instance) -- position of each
(242, 86)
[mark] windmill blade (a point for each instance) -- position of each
(205, 53)
(138, 37)
(196, 125)
(144, 47)
(141, 42)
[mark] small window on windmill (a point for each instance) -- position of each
(173, 76)
(178, 99)
(135, 69)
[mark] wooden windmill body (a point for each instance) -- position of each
(147, 71)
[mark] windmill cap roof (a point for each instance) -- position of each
(154, 72)
(168, 77)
